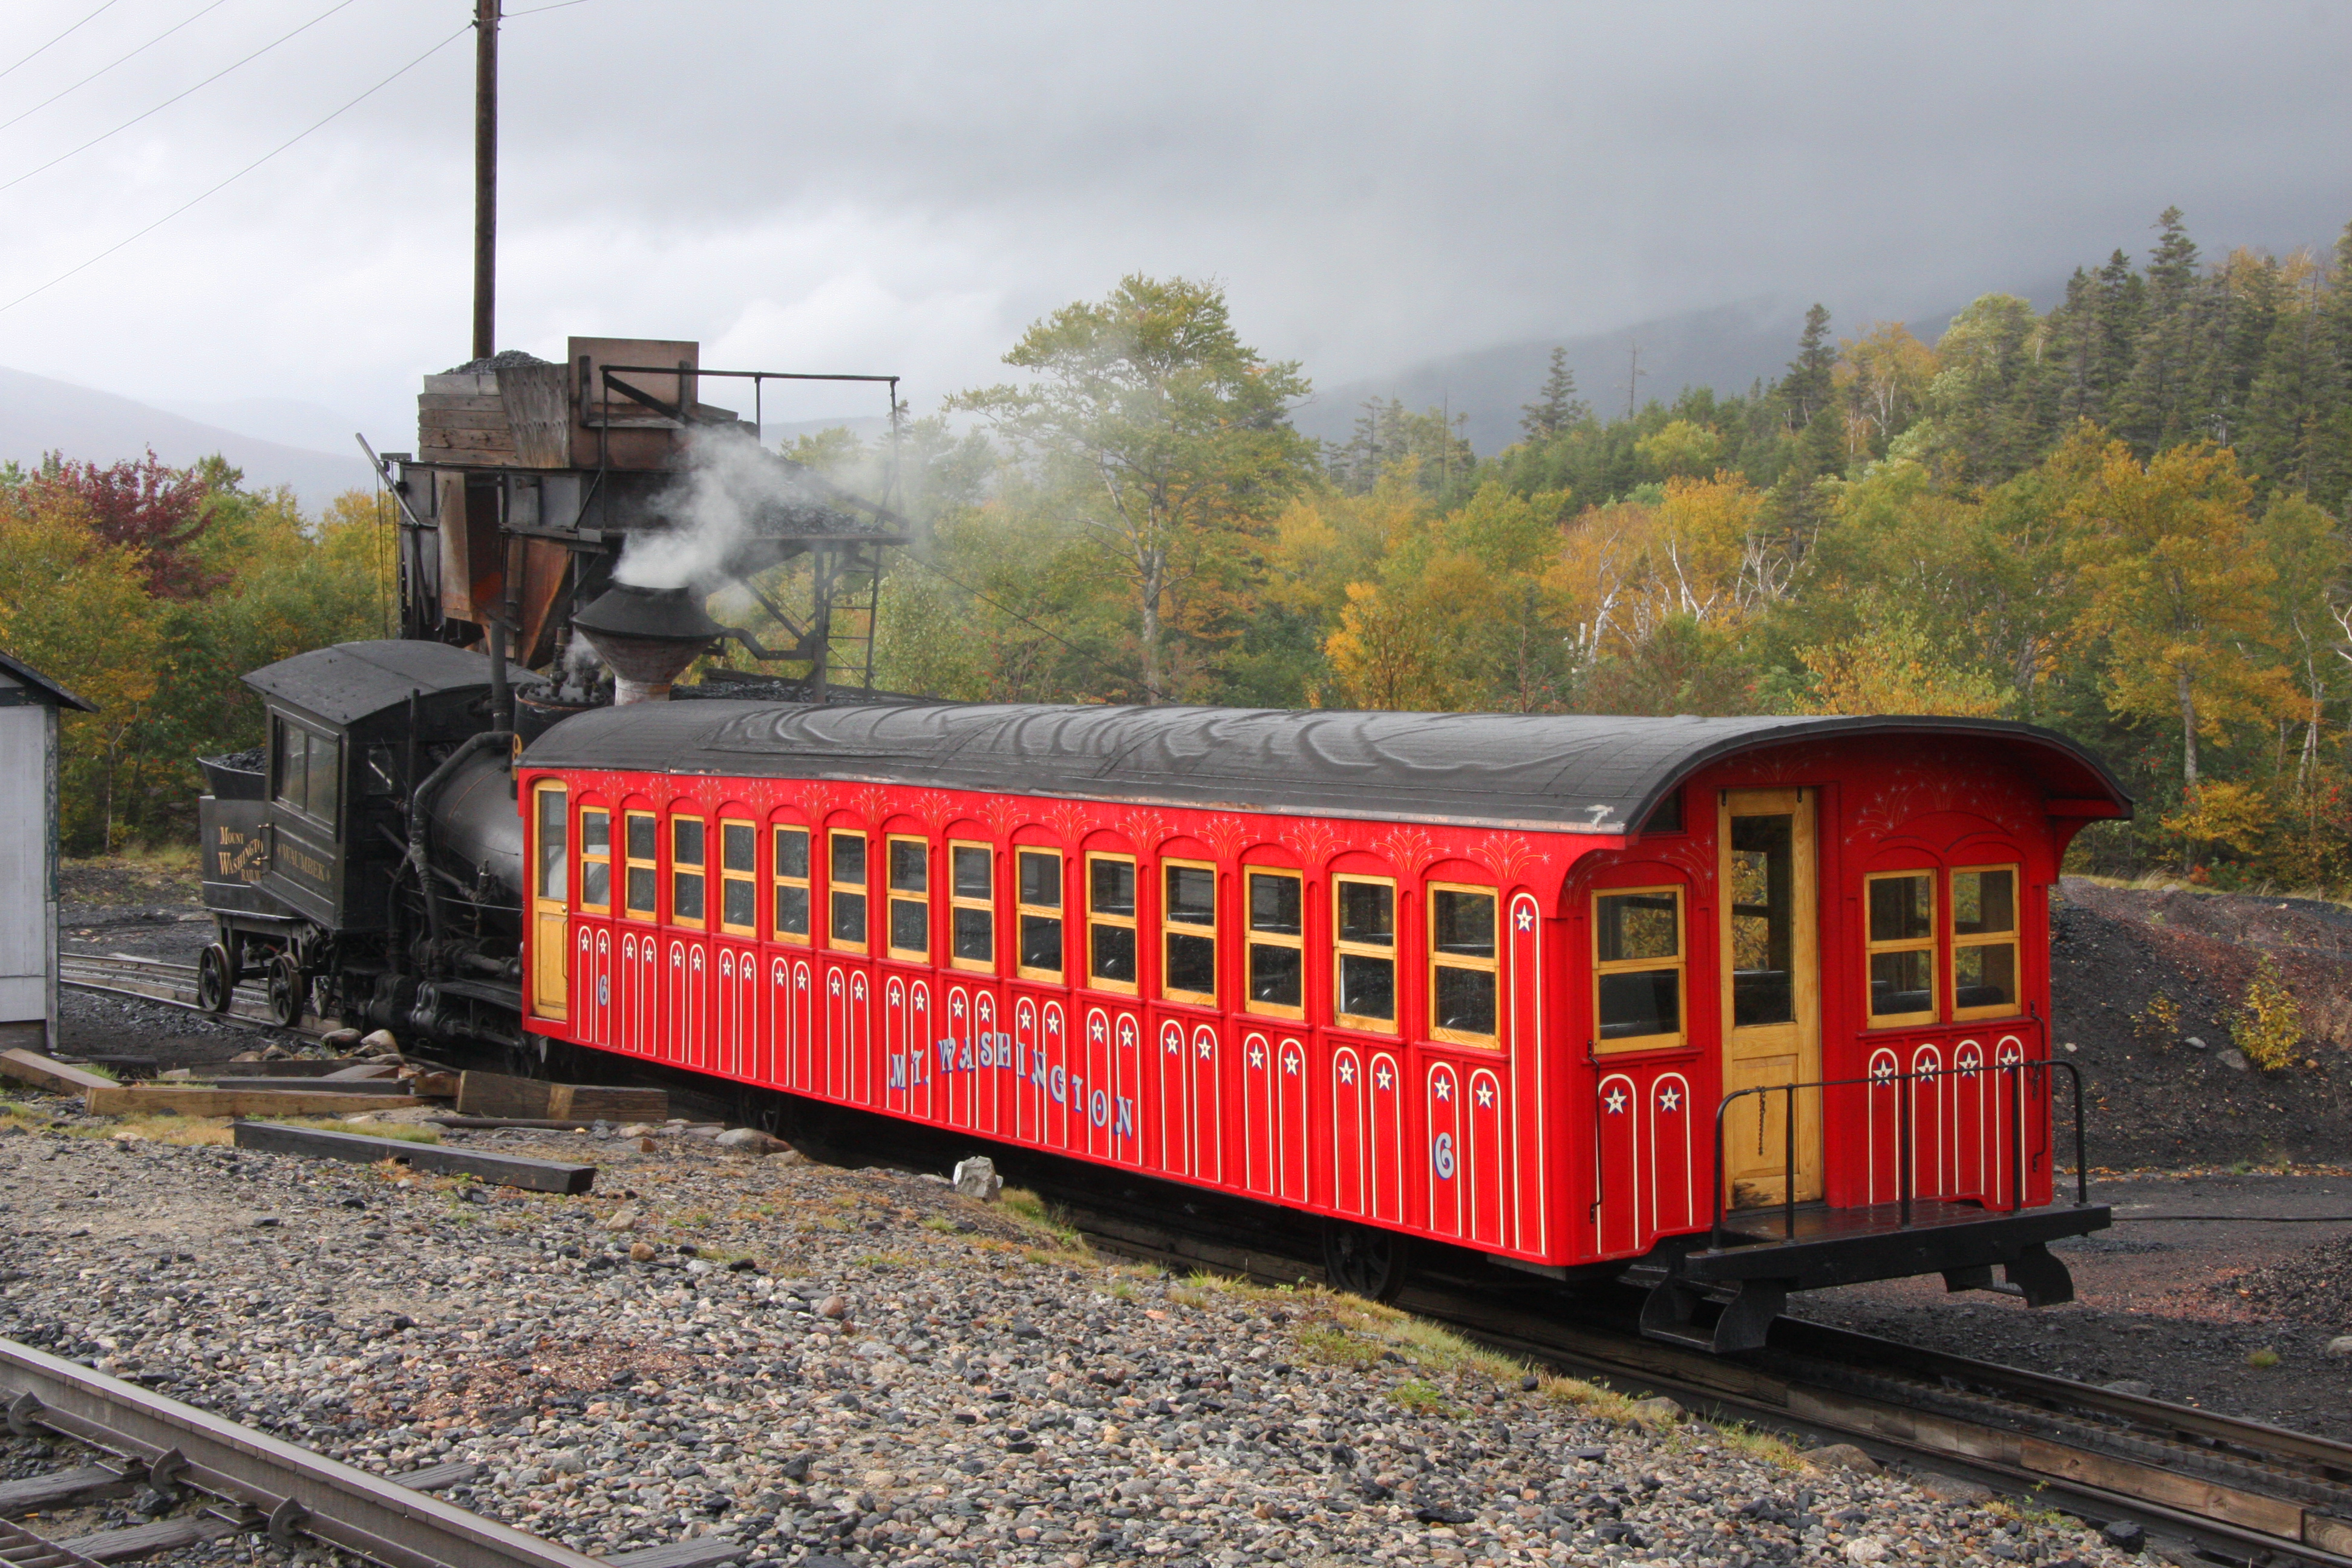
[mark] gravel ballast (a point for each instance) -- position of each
(866, 1365)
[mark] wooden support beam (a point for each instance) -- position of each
(143, 1102)
(498, 1170)
(33, 1068)
(292, 1066)
(497, 1094)
(60, 1487)
(343, 1086)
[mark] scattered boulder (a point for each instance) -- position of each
(1953, 1489)
(340, 1039)
(380, 1044)
(2193, 1043)
(275, 1053)
(1656, 1412)
(976, 1177)
(751, 1140)
(834, 1307)
(2233, 1058)
(2125, 1535)
(2138, 1388)
(641, 1252)
(1865, 1549)
(2340, 1347)
(1844, 1455)
(624, 1219)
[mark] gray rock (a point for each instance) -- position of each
(751, 1140)
(2138, 1388)
(1843, 1456)
(976, 1177)
(380, 1044)
(2233, 1058)
(2193, 1043)
(2341, 1347)
(340, 1039)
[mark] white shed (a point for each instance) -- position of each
(29, 704)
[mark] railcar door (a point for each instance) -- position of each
(1771, 992)
(550, 912)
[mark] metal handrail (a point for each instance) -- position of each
(1905, 1116)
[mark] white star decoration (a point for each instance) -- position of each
(1204, 1050)
(1527, 917)
(1257, 1055)
(1883, 1071)
(1445, 1088)
(1175, 1046)
(1670, 1100)
(956, 1005)
(1095, 1030)
(1615, 1103)
(1290, 1063)
(1485, 1095)
(1346, 1072)
(1381, 1077)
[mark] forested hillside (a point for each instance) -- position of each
(2123, 519)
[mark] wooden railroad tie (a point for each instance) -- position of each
(46, 1072)
(498, 1170)
(497, 1094)
(308, 1100)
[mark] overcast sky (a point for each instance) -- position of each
(903, 187)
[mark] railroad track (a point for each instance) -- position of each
(2242, 1491)
(173, 985)
(214, 1478)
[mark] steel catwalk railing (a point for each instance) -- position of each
(1907, 1116)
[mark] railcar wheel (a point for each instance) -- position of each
(216, 980)
(1365, 1261)
(289, 993)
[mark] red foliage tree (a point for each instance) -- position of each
(153, 508)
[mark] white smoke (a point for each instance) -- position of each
(729, 483)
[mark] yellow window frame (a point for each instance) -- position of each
(698, 869)
(1927, 944)
(631, 861)
(860, 890)
(589, 858)
(1252, 937)
(776, 830)
(958, 900)
(1127, 922)
(1059, 912)
(2008, 939)
(730, 877)
(1680, 964)
(893, 896)
(1490, 966)
(1170, 929)
(1393, 954)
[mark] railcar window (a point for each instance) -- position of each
(1461, 968)
(1763, 919)
(971, 898)
(595, 858)
(686, 853)
(791, 911)
(1637, 965)
(1189, 934)
(1278, 944)
(847, 872)
(1110, 922)
(642, 885)
(739, 893)
(1984, 941)
(1902, 947)
(1364, 952)
(910, 898)
(554, 855)
(308, 769)
(1040, 892)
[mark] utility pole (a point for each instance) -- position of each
(486, 177)
(1632, 377)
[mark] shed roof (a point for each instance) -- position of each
(1563, 773)
(47, 689)
(356, 681)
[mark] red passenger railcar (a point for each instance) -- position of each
(1750, 1004)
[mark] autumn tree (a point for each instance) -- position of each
(1164, 435)
(157, 510)
(2179, 593)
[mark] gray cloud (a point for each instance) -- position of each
(904, 187)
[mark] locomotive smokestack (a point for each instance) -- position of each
(647, 636)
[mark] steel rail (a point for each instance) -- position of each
(300, 1492)
(2031, 1433)
(104, 977)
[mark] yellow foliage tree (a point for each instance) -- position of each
(2179, 593)
(77, 609)
(1893, 668)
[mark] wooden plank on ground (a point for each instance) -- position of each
(499, 1094)
(499, 1170)
(112, 1101)
(293, 1067)
(137, 1540)
(381, 1068)
(306, 1085)
(62, 1487)
(432, 1084)
(32, 1066)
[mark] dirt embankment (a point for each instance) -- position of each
(2176, 1093)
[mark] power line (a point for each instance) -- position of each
(101, 71)
(241, 173)
(176, 96)
(535, 10)
(61, 37)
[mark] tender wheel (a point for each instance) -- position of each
(289, 993)
(216, 979)
(1364, 1261)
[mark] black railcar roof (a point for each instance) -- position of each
(1563, 773)
(354, 682)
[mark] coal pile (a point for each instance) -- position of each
(2315, 1288)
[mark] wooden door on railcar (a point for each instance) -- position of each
(1770, 980)
(551, 911)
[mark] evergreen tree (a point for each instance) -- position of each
(2158, 406)
(1808, 388)
(1557, 406)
